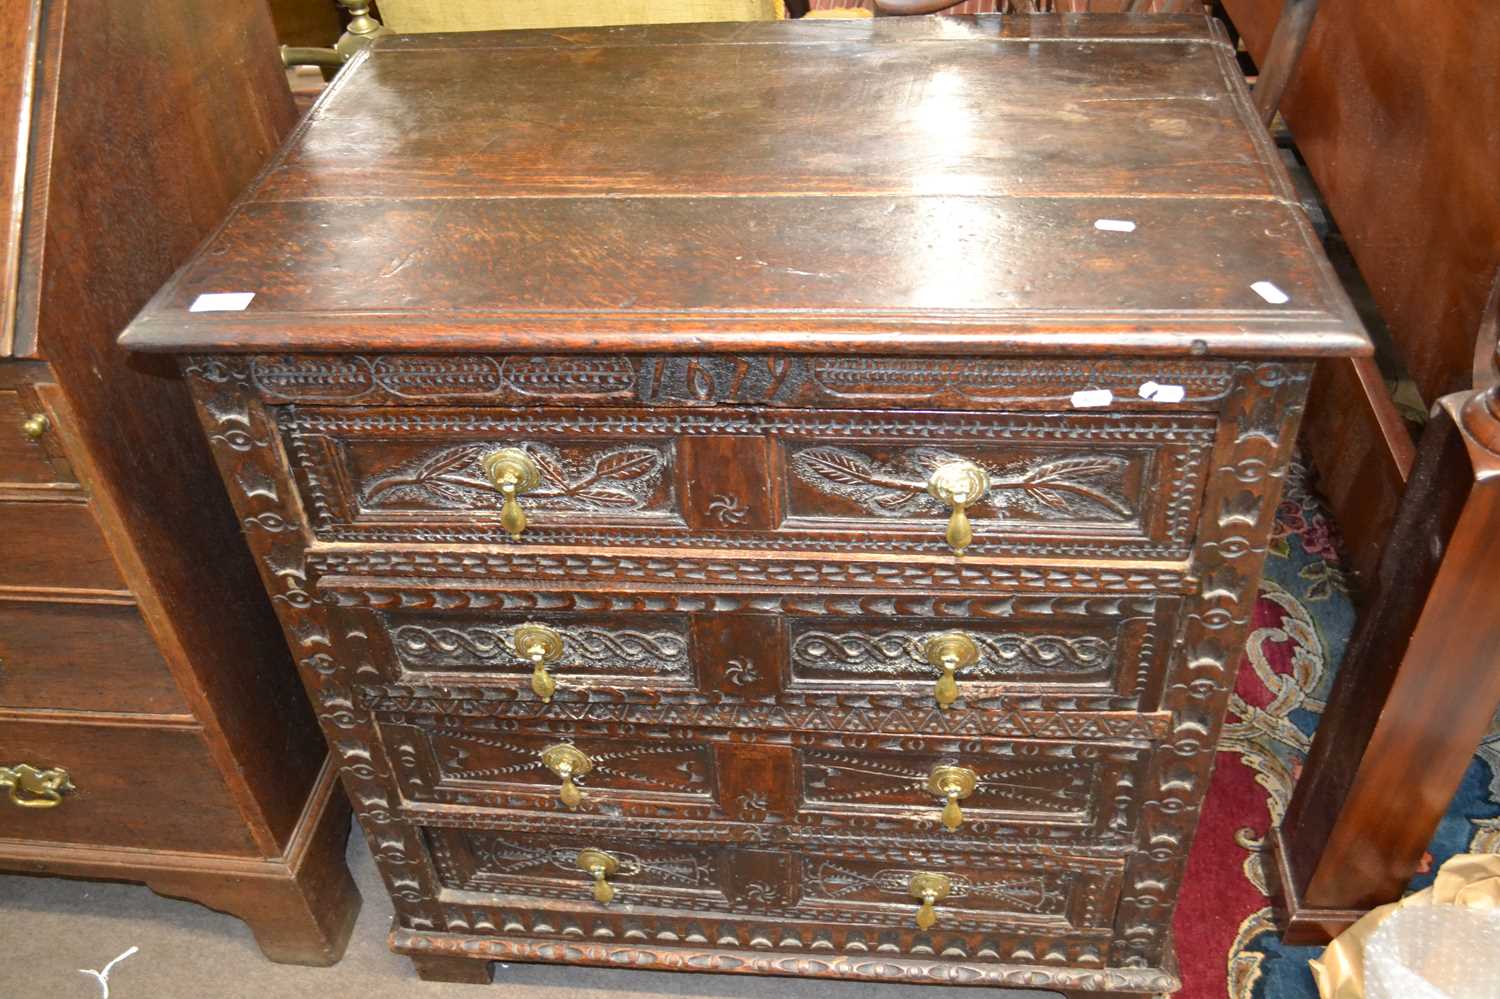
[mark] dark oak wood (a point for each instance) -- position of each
(730, 530)
(976, 251)
(1419, 684)
(141, 655)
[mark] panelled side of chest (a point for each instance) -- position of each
(1239, 416)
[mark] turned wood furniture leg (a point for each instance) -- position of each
(462, 970)
(1419, 684)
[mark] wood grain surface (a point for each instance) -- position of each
(883, 186)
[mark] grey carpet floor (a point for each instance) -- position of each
(51, 927)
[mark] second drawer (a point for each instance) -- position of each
(1050, 652)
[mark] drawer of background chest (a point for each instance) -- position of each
(1039, 652)
(540, 873)
(1059, 483)
(821, 787)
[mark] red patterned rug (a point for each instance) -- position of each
(1226, 944)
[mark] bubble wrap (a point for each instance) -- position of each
(1436, 952)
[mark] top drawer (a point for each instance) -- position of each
(1109, 485)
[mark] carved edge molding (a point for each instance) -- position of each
(699, 380)
(245, 444)
(851, 715)
(579, 571)
(883, 968)
(1257, 431)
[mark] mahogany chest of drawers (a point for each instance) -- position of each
(776, 498)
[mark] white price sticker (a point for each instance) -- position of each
(1152, 392)
(1092, 398)
(222, 301)
(1270, 293)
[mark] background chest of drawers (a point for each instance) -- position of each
(150, 729)
(617, 535)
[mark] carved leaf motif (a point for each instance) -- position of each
(453, 478)
(838, 466)
(548, 465)
(608, 496)
(1072, 487)
(630, 464)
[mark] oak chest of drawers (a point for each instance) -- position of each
(732, 505)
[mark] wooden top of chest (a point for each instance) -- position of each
(897, 185)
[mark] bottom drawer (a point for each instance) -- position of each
(151, 788)
(669, 880)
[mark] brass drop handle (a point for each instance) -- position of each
(512, 471)
(541, 645)
(952, 784)
(601, 866)
(959, 484)
(35, 426)
(568, 762)
(33, 787)
(930, 889)
(950, 653)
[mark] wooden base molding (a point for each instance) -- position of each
(439, 957)
(300, 906)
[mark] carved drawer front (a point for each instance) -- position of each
(545, 865)
(448, 764)
(1059, 894)
(454, 641)
(1030, 789)
(1059, 483)
(1061, 655)
(654, 882)
(573, 652)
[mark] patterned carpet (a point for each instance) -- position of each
(1302, 623)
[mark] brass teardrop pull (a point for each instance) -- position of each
(601, 866)
(930, 889)
(567, 762)
(541, 645)
(959, 484)
(952, 784)
(949, 652)
(512, 472)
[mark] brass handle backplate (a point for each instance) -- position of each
(952, 784)
(35, 426)
(32, 787)
(512, 472)
(600, 865)
(568, 762)
(540, 645)
(949, 652)
(930, 889)
(959, 484)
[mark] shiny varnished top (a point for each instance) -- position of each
(901, 185)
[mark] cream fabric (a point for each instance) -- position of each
(1446, 964)
(491, 15)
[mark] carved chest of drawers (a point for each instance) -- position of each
(732, 506)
